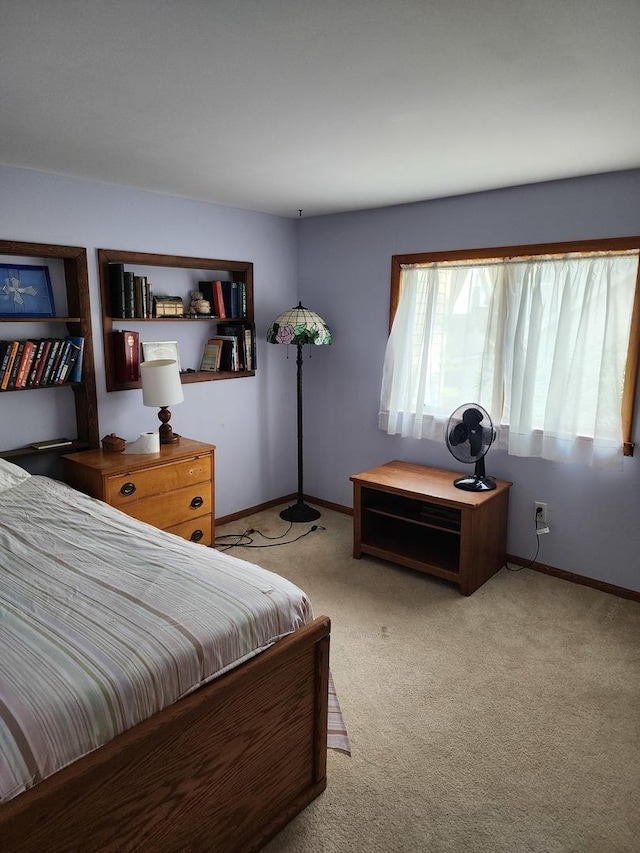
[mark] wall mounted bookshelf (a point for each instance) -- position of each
(75, 322)
(239, 271)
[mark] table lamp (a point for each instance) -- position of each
(161, 387)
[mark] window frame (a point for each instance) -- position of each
(610, 244)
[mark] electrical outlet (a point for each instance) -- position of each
(539, 512)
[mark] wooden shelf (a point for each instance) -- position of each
(19, 452)
(414, 515)
(240, 270)
(74, 260)
(41, 319)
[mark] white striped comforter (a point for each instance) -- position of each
(105, 620)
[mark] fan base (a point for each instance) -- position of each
(475, 484)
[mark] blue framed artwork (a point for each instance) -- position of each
(25, 291)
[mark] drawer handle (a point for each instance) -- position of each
(196, 536)
(197, 502)
(127, 489)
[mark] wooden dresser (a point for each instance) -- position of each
(172, 489)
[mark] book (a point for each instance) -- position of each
(126, 354)
(60, 362)
(9, 365)
(218, 299)
(236, 332)
(67, 361)
(115, 278)
(230, 357)
(51, 442)
(226, 298)
(242, 298)
(5, 352)
(42, 362)
(235, 299)
(248, 334)
(211, 355)
(34, 364)
(52, 359)
(129, 295)
(149, 300)
(231, 299)
(75, 372)
(140, 296)
(15, 367)
(10, 362)
(28, 353)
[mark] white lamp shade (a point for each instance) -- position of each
(161, 385)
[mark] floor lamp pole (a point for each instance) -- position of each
(300, 511)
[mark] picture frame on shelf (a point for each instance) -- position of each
(153, 350)
(25, 291)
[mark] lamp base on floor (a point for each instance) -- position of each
(299, 512)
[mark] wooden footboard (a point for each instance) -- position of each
(222, 770)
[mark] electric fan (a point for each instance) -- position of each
(470, 434)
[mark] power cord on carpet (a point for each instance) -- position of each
(535, 556)
(244, 540)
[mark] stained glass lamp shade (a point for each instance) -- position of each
(298, 327)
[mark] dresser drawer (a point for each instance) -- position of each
(197, 530)
(170, 509)
(126, 489)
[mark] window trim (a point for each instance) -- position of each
(610, 244)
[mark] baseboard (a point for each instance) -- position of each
(243, 513)
(612, 589)
(346, 510)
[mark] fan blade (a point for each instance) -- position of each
(458, 434)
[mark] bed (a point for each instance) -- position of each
(154, 694)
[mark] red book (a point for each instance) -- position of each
(126, 353)
(26, 361)
(218, 298)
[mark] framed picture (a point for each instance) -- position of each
(153, 350)
(25, 291)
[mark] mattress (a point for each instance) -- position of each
(105, 620)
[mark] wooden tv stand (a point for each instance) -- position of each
(414, 515)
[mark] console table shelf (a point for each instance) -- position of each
(414, 515)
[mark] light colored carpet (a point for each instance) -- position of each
(505, 722)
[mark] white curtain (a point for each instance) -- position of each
(540, 343)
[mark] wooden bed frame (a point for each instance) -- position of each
(223, 769)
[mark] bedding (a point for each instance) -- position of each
(105, 620)
(11, 475)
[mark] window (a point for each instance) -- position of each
(546, 338)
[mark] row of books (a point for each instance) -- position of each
(130, 295)
(233, 348)
(36, 363)
(228, 299)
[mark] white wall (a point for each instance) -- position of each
(251, 421)
(345, 266)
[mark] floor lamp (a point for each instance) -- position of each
(299, 326)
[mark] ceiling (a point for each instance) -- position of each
(320, 105)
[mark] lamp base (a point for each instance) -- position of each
(299, 512)
(172, 438)
(167, 435)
